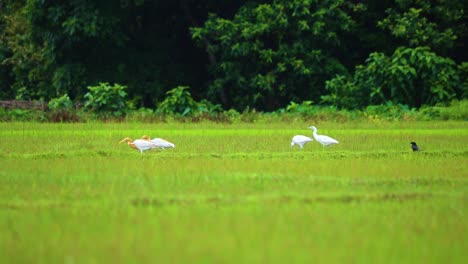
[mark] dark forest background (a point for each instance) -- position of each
(239, 54)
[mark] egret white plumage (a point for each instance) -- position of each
(322, 139)
(300, 140)
(159, 142)
(139, 144)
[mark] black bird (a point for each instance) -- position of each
(414, 146)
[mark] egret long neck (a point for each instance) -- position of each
(131, 144)
(314, 132)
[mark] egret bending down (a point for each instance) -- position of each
(139, 144)
(322, 139)
(300, 140)
(159, 142)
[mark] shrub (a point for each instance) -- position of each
(61, 110)
(105, 99)
(411, 76)
(144, 115)
(463, 73)
(62, 103)
(7, 115)
(458, 110)
(343, 93)
(249, 115)
(305, 107)
(207, 107)
(390, 111)
(179, 101)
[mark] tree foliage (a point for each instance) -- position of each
(179, 101)
(271, 53)
(436, 24)
(247, 54)
(106, 99)
(411, 76)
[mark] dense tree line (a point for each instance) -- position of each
(239, 54)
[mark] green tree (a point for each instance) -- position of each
(272, 53)
(178, 101)
(55, 47)
(260, 53)
(20, 55)
(411, 76)
(105, 99)
(440, 24)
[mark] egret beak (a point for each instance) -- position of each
(125, 140)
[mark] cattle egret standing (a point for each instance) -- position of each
(300, 140)
(414, 146)
(324, 140)
(159, 142)
(139, 144)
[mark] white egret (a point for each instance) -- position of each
(300, 140)
(322, 139)
(139, 144)
(159, 142)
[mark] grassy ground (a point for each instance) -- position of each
(234, 193)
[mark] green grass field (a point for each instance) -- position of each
(69, 193)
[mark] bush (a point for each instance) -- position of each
(249, 115)
(145, 115)
(179, 102)
(389, 111)
(62, 103)
(463, 73)
(343, 93)
(305, 111)
(24, 115)
(458, 110)
(411, 76)
(305, 107)
(61, 110)
(107, 100)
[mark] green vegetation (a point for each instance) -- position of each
(234, 193)
(411, 76)
(188, 110)
(240, 55)
(230, 83)
(179, 101)
(107, 99)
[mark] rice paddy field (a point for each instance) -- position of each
(234, 193)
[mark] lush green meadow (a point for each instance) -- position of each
(233, 193)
